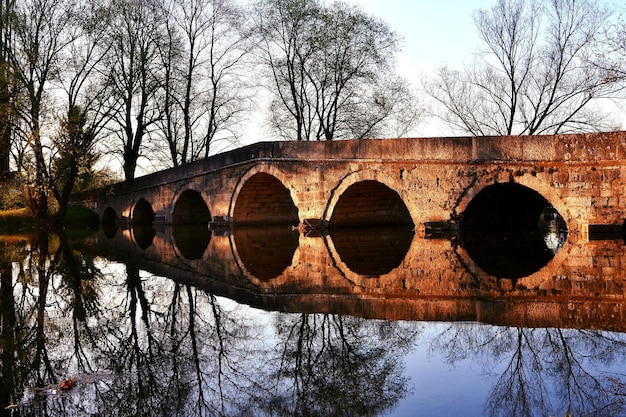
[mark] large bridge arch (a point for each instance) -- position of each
(356, 189)
(262, 197)
(545, 189)
(515, 203)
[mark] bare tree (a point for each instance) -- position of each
(611, 55)
(534, 75)
(326, 65)
(134, 36)
(7, 8)
(42, 32)
(202, 80)
(74, 145)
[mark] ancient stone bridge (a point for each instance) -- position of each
(312, 192)
(414, 182)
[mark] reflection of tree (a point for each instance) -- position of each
(336, 365)
(8, 320)
(545, 370)
(143, 345)
(45, 266)
(177, 351)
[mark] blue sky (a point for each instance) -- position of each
(434, 32)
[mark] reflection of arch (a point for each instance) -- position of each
(369, 203)
(190, 208)
(500, 230)
(191, 240)
(262, 199)
(372, 251)
(143, 235)
(143, 212)
(265, 252)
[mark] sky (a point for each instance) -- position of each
(434, 32)
(438, 32)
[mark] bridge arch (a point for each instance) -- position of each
(108, 220)
(190, 217)
(142, 212)
(546, 190)
(261, 198)
(109, 216)
(190, 208)
(367, 198)
(504, 227)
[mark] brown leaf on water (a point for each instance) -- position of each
(67, 384)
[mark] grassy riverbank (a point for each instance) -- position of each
(22, 220)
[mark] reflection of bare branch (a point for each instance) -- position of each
(546, 371)
(521, 389)
(333, 365)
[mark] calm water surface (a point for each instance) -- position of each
(268, 322)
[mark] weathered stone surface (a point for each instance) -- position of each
(582, 176)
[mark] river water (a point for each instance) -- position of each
(271, 322)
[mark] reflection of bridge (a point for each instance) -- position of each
(432, 279)
(383, 182)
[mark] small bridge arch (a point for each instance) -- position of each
(367, 197)
(142, 212)
(190, 208)
(261, 197)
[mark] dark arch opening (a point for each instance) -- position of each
(190, 208)
(264, 200)
(109, 218)
(143, 213)
(511, 231)
(370, 203)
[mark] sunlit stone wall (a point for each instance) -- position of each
(582, 176)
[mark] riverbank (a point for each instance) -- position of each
(21, 220)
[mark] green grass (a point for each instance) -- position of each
(22, 220)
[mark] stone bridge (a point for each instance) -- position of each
(475, 181)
